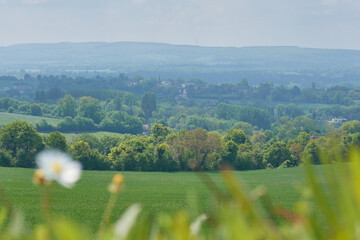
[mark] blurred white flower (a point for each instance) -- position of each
(196, 225)
(59, 166)
(126, 222)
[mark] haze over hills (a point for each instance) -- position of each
(281, 65)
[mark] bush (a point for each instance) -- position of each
(5, 159)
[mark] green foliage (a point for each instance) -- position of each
(236, 135)
(44, 126)
(5, 159)
(303, 138)
(107, 142)
(121, 122)
(165, 161)
(229, 154)
(90, 159)
(350, 127)
(148, 104)
(277, 154)
(89, 107)
(22, 141)
(159, 132)
(312, 153)
(67, 106)
(92, 140)
(247, 128)
(57, 141)
(35, 110)
(76, 124)
(135, 154)
(252, 115)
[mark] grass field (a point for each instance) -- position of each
(70, 137)
(157, 192)
(6, 118)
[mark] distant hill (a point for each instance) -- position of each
(283, 65)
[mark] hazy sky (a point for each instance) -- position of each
(306, 23)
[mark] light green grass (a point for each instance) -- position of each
(156, 192)
(70, 137)
(6, 118)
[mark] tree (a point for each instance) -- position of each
(67, 106)
(148, 104)
(107, 142)
(312, 153)
(277, 154)
(89, 107)
(35, 110)
(247, 128)
(236, 135)
(350, 127)
(159, 132)
(164, 160)
(22, 141)
(44, 126)
(259, 138)
(5, 159)
(303, 138)
(92, 140)
(90, 159)
(121, 122)
(229, 154)
(56, 140)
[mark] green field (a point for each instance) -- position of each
(156, 192)
(6, 118)
(70, 137)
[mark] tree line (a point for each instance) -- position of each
(183, 150)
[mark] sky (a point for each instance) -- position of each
(236, 23)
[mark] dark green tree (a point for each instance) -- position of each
(89, 107)
(277, 154)
(67, 106)
(236, 135)
(312, 153)
(22, 142)
(148, 104)
(35, 110)
(56, 140)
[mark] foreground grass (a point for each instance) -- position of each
(157, 192)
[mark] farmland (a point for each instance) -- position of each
(6, 118)
(156, 192)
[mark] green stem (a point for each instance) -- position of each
(106, 217)
(45, 203)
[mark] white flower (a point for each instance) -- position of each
(59, 166)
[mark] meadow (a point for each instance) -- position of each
(6, 118)
(71, 137)
(156, 192)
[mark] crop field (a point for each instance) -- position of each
(6, 118)
(70, 137)
(156, 192)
